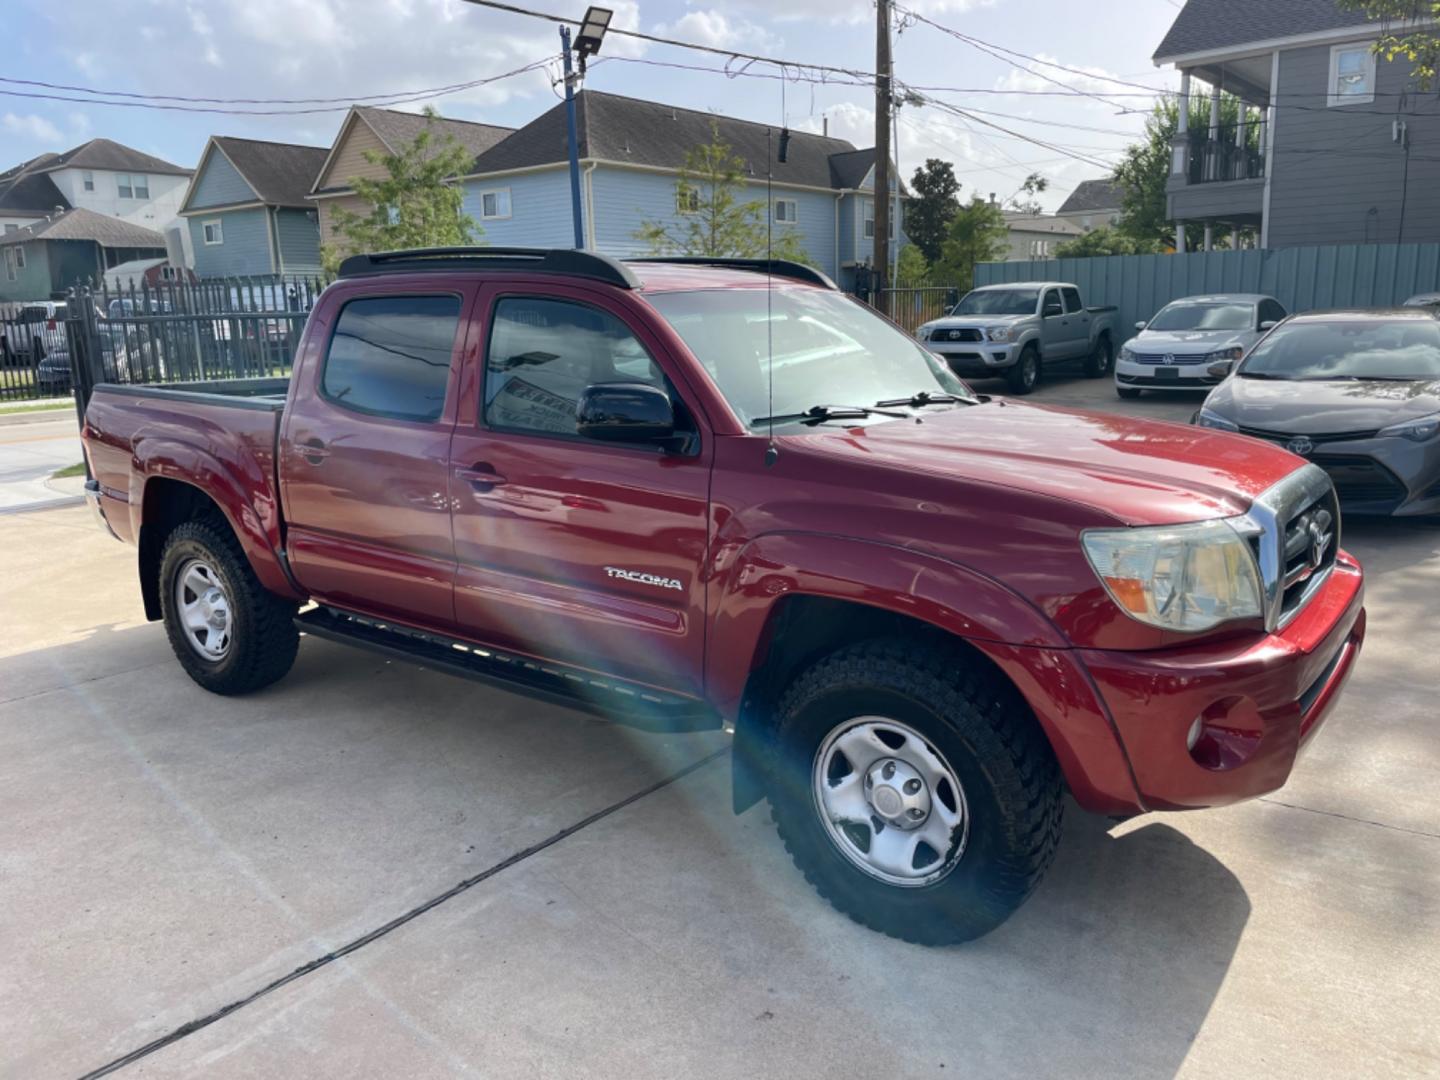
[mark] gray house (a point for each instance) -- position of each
(248, 211)
(1335, 145)
(1094, 204)
(39, 261)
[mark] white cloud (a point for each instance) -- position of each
(30, 126)
(719, 31)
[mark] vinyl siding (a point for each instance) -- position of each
(539, 210)
(246, 250)
(864, 248)
(298, 241)
(220, 184)
(1336, 175)
(34, 281)
(329, 235)
(349, 160)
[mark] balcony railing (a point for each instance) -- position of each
(1225, 158)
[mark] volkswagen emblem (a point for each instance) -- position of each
(1169, 358)
(1300, 445)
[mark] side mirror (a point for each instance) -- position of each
(625, 412)
(1140, 326)
(1268, 324)
(1221, 369)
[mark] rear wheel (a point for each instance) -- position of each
(1129, 393)
(1024, 376)
(229, 633)
(914, 791)
(1101, 358)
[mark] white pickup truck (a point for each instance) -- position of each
(1015, 331)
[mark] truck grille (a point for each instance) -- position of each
(1307, 551)
(1294, 529)
(956, 334)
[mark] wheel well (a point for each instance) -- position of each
(168, 503)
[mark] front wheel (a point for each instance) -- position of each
(229, 633)
(914, 790)
(1024, 376)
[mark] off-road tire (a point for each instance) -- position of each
(263, 640)
(982, 727)
(1016, 377)
(1101, 359)
(1129, 393)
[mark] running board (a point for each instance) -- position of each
(615, 699)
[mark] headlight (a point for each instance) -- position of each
(1127, 353)
(1178, 577)
(1206, 418)
(1235, 352)
(998, 333)
(1414, 430)
(923, 334)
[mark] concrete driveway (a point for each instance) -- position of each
(374, 871)
(32, 447)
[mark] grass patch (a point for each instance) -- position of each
(59, 406)
(78, 469)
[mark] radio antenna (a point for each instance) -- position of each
(771, 451)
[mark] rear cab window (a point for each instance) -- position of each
(390, 356)
(1072, 300)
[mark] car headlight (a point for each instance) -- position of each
(1178, 577)
(1414, 430)
(998, 333)
(1235, 352)
(1206, 418)
(923, 334)
(1127, 353)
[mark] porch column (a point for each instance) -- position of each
(1209, 236)
(1242, 118)
(1180, 238)
(1180, 145)
(1234, 239)
(1213, 172)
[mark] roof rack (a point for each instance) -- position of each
(567, 261)
(778, 267)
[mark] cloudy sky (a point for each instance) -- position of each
(346, 49)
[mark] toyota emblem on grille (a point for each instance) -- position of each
(954, 335)
(1301, 446)
(1319, 530)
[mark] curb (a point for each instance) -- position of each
(37, 416)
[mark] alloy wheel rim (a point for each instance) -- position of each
(203, 605)
(890, 802)
(1031, 370)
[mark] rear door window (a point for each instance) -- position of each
(1072, 300)
(390, 356)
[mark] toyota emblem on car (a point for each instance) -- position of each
(1301, 446)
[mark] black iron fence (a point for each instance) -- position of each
(1229, 157)
(169, 332)
(911, 306)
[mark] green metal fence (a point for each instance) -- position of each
(1303, 279)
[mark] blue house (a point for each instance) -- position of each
(247, 209)
(630, 154)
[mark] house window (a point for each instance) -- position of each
(87, 178)
(142, 187)
(1039, 249)
(869, 220)
(687, 201)
(169, 273)
(1352, 75)
(495, 204)
(10, 274)
(214, 232)
(786, 210)
(122, 183)
(19, 256)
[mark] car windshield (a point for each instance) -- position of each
(827, 349)
(1350, 349)
(998, 302)
(1211, 315)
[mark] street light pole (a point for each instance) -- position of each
(574, 140)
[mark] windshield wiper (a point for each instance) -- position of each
(819, 414)
(925, 397)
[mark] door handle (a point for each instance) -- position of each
(313, 451)
(481, 476)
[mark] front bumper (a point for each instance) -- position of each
(1374, 477)
(976, 359)
(1260, 700)
(1164, 376)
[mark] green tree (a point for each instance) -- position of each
(934, 201)
(413, 206)
(1024, 200)
(712, 216)
(1409, 30)
(912, 267)
(1144, 170)
(1104, 241)
(977, 233)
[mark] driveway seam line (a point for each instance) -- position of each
(71, 684)
(1347, 817)
(192, 1026)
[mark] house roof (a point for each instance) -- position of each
(631, 131)
(1042, 223)
(1101, 194)
(26, 190)
(108, 154)
(1207, 25)
(280, 174)
(398, 129)
(82, 224)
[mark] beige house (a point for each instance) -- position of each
(383, 131)
(1036, 236)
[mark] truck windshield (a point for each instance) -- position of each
(1210, 316)
(998, 302)
(827, 349)
(1396, 349)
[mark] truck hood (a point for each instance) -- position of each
(1306, 407)
(1185, 342)
(981, 322)
(1136, 472)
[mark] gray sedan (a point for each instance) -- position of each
(1357, 392)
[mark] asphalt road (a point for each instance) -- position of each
(371, 870)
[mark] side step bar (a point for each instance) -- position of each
(615, 699)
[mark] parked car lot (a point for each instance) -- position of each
(181, 853)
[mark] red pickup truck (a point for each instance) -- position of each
(689, 494)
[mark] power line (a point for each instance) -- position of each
(435, 90)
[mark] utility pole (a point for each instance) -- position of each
(574, 140)
(883, 90)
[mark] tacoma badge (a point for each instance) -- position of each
(639, 577)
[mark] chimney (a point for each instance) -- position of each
(825, 126)
(992, 198)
